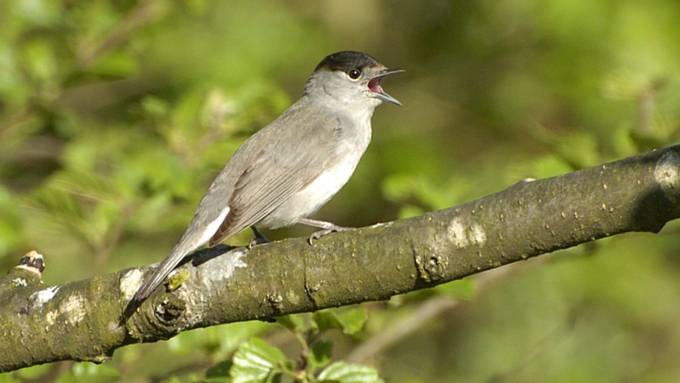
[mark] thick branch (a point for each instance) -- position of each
(79, 320)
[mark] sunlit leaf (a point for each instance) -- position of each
(341, 372)
(255, 361)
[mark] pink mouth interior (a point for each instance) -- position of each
(374, 86)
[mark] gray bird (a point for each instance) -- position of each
(290, 168)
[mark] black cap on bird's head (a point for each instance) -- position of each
(360, 68)
(346, 61)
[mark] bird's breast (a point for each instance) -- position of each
(321, 189)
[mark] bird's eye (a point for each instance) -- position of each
(354, 74)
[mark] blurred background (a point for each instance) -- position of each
(115, 116)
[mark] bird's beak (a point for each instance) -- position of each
(374, 85)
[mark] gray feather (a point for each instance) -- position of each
(293, 158)
(257, 179)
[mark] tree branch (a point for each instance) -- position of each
(79, 320)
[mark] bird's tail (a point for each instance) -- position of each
(159, 275)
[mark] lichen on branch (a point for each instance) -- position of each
(79, 320)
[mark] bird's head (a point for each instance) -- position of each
(350, 78)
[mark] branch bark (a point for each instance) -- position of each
(79, 320)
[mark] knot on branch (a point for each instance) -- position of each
(169, 310)
(33, 262)
(26, 275)
(275, 301)
(431, 266)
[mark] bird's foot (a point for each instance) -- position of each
(322, 233)
(258, 240)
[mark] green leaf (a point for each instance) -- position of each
(408, 211)
(222, 341)
(40, 61)
(350, 321)
(8, 378)
(321, 353)
(461, 289)
(578, 148)
(41, 13)
(295, 322)
(92, 370)
(342, 372)
(31, 373)
(10, 223)
(90, 373)
(219, 372)
(325, 320)
(115, 64)
(256, 361)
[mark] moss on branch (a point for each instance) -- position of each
(79, 320)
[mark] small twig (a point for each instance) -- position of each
(303, 361)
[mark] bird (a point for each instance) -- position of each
(287, 170)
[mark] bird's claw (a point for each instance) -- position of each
(257, 241)
(252, 244)
(322, 233)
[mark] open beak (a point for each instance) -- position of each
(374, 85)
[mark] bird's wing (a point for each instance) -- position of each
(257, 179)
(279, 171)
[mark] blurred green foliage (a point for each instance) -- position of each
(114, 116)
